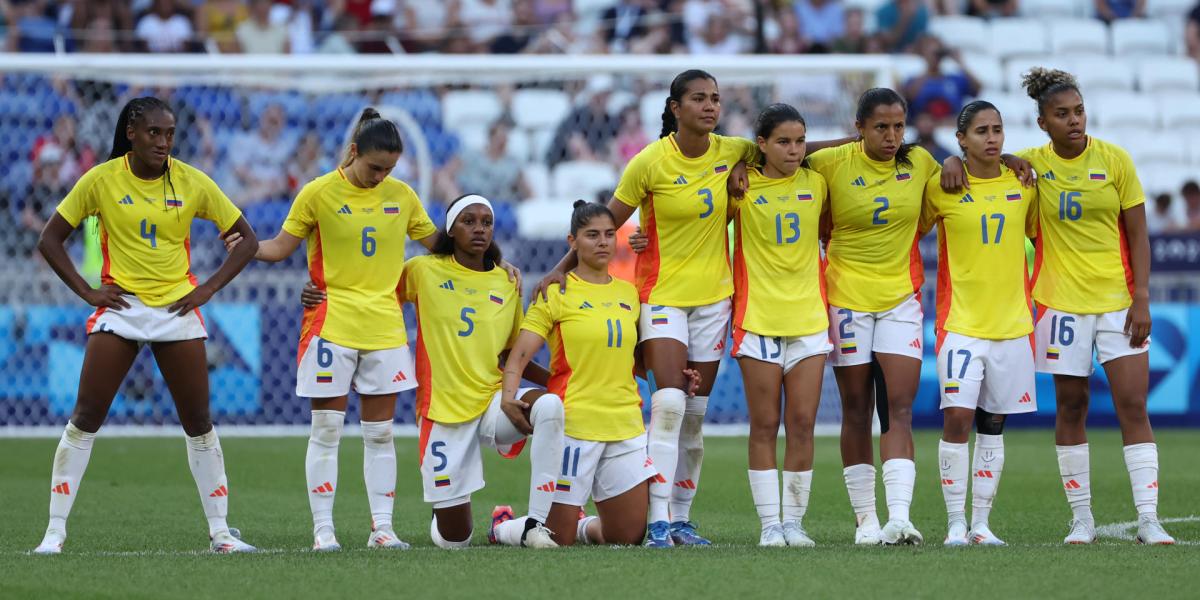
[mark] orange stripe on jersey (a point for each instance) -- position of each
(187, 249)
(106, 260)
(91, 322)
(424, 369)
(739, 334)
(916, 269)
(314, 318)
(821, 265)
(1124, 243)
(423, 439)
(945, 288)
(648, 261)
(741, 280)
(560, 369)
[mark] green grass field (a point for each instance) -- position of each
(137, 531)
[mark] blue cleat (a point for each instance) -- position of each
(658, 535)
(683, 533)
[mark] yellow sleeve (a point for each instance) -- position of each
(1031, 215)
(634, 185)
(302, 217)
(543, 314)
(745, 150)
(409, 279)
(217, 207)
(419, 224)
(1129, 187)
(823, 160)
(929, 212)
(80, 201)
(923, 162)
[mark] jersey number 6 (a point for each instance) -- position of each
(368, 242)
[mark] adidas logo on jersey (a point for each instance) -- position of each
(680, 180)
(125, 200)
(449, 285)
(1049, 175)
(859, 182)
(760, 200)
(585, 304)
(966, 198)
(344, 210)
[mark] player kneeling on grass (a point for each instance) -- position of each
(984, 320)
(146, 202)
(777, 273)
(591, 327)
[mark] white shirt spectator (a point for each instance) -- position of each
(822, 21)
(485, 19)
(254, 39)
(164, 35)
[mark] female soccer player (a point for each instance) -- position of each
(684, 284)
(146, 202)
(777, 271)
(592, 328)
(874, 276)
(1090, 286)
(356, 220)
(984, 319)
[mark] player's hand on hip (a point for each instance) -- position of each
(195, 299)
(311, 296)
(107, 296)
(638, 241)
(551, 278)
(693, 381)
(515, 410)
(1137, 323)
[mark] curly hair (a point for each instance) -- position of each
(1042, 84)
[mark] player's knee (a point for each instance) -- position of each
(441, 542)
(327, 427)
(764, 429)
(956, 427)
(856, 420)
(800, 428)
(546, 410)
(666, 410)
(630, 534)
(899, 413)
(196, 425)
(377, 434)
(988, 423)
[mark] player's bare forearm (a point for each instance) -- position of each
(1138, 238)
(535, 373)
(238, 258)
(51, 244)
(518, 359)
(277, 248)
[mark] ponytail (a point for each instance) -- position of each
(583, 212)
(678, 89)
(373, 132)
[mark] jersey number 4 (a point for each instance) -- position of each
(150, 234)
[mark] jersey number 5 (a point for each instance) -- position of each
(465, 317)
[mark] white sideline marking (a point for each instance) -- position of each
(251, 431)
(1121, 531)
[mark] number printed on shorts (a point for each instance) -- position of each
(368, 242)
(762, 347)
(324, 354)
(465, 317)
(962, 370)
(878, 218)
(435, 450)
(707, 197)
(614, 325)
(847, 317)
(570, 465)
(1061, 331)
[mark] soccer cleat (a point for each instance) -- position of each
(658, 535)
(867, 533)
(982, 536)
(386, 538)
(52, 543)
(537, 536)
(500, 514)
(683, 533)
(794, 534)
(324, 541)
(896, 533)
(1150, 531)
(224, 543)
(772, 537)
(956, 533)
(1082, 532)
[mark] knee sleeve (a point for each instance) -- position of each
(547, 409)
(441, 542)
(667, 407)
(377, 433)
(327, 427)
(988, 423)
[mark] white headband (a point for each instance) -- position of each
(462, 204)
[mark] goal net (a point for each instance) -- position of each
(533, 133)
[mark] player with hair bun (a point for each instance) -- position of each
(146, 202)
(984, 320)
(684, 285)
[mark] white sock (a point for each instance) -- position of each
(1076, 477)
(545, 454)
(321, 464)
(208, 469)
(666, 415)
(70, 461)
(581, 531)
(953, 460)
(441, 542)
(764, 489)
(691, 457)
(379, 471)
(509, 532)
(899, 474)
(1142, 462)
(860, 485)
(796, 487)
(989, 462)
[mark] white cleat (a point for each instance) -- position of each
(538, 537)
(982, 536)
(896, 533)
(52, 543)
(324, 541)
(1083, 531)
(385, 538)
(794, 534)
(956, 534)
(867, 533)
(225, 543)
(1150, 531)
(772, 537)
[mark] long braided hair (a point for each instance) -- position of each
(131, 114)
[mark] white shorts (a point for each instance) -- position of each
(142, 324)
(451, 461)
(1066, 341)
(601, 470)
(994, 375)
(782, 351)
(327, 370)
(856, 335)
(701, 328)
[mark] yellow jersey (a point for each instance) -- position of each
(683, 211)
(356, 253)
(873, 260)
(146, 224)
(779, 288)
(592, 331)
(983, 281)
(465, 319)
(1082, 256)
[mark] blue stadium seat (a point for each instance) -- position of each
(295, 106)
(423, 105)
(219, 105)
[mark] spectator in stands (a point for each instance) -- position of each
(299, 18)
(1191, 200)
(260, 159)
(493, 169)
(1192, 33)
(47, 190)
(310, 162)
(379, 37)
(717, 37)
(525, 27)
(217, 22)
(359, 9)
(165, 28)
(822, 22)
(550, 11)
(1111, 10)
(258, 35)
(1163, 218)
(660, 36)
(854, 38)
(631, 136)
(72, 159)
(993, 8)
(925, 125)
(782, 34)
(901, 23)
(336, 42)
(99, 36)
(29, 27)
(935, 92)
(623, 22)
(563, 38)
(586, 132)
(97, 22)
(484, 20)
(426, 24)
(96, 103)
